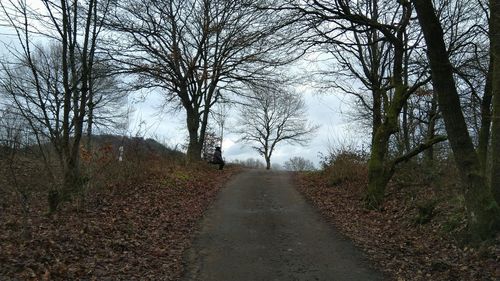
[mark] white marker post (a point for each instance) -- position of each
(120, 153)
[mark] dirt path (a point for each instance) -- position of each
(261, 229)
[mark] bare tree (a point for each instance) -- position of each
(483, 211)
(190, 49)
(15, 137)
(219, 115)
(75, 25)
(495, 88)
(272, 116)
(372, 41)
(107, 102)
(298, 164)
(250, 163)
(468, 49)
(212, 140)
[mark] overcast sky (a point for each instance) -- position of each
(326, 110)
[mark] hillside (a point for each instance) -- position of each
(133, 219)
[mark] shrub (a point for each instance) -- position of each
(345, 164)
(426, 211)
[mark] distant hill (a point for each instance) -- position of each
(136, 145)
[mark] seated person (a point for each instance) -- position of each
(218, 158)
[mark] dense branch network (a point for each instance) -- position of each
(272, 116)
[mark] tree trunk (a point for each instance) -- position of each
(378, 175)
(431, 132)
(495, 125)
(406, 130)
(72, 182)
(380, 169)
(90, 120)
(203, 129)
(268, 163)
(484, 131)
(375, 74)
(194, 146)
(482, 210)
(377, 112)
(72, 179)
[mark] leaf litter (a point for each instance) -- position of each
(402, 248)
(132, 230)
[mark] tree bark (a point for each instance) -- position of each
(90, 118)
(406, 132)
(484, 131)
(377, 112)
(431, 131)
(379, 167)
(194, 146)
(495, 125)
(377, 172)
(482, 210)
(268, 163)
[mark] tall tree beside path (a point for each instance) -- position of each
(495, 126)
(272, 116)
(197, 50)
(483, 212)
(57, 93)
(370, 43)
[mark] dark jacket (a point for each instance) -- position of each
(218, 157)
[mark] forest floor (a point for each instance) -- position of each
(140, 226)
(131, 230)
(404, 241)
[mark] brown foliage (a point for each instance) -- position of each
(345, 165)
(135, 224)
(403, 238)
